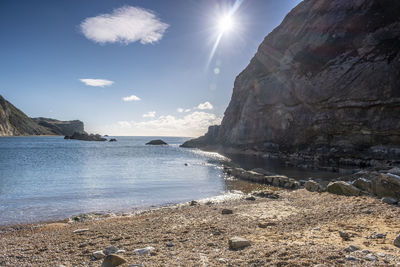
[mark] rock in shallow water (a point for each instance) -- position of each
(157, 142)
(236, 243)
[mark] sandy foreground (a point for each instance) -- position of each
(298, 229)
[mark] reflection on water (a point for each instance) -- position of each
(276, 166)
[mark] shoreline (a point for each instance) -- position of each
(298, 228)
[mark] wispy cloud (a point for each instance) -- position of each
(192, 124)
(96, 82)
(130, 98)
(150, 114)
(181, 110)
(205, 105)
(124, 25)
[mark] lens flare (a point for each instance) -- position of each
(225, 23)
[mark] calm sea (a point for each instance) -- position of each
(49, 178)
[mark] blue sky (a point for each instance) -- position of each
(154, 54)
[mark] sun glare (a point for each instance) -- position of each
(225, 23)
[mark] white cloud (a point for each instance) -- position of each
(205, 105)
(96, 82)
(130, 98)
(181, 110)
(193, 124)
(124, 25)
(150, 114)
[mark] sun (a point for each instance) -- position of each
(225, 23)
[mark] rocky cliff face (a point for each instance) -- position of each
(61, 127)
(13, 122)
(324, 86)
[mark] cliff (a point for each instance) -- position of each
(324, 87)
(61, 127)
(13, 122)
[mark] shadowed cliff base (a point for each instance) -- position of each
(322, 90)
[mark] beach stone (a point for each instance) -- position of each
(371, 257)
(170, 245)
(78, 231)
(389, 200)
(312, 186)
(227, 211)
(351, 248)
(113, 260)
(250, 198)
(144, 251)
(266, 224)
(110, 250)
(236, 243)
(98, 255)
(343, 188)
(344, 235)
(397, 241)
(351, 258)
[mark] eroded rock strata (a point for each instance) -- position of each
(323, 87)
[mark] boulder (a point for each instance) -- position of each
(389, 200)
(112, 261)
(386, 185)
(236, 243)
(363, 184)
(312, 186)
(157, 142)
(113, 140)
(343, 188)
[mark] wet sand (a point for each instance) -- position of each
(298, 229)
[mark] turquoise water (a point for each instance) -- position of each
(49, 178)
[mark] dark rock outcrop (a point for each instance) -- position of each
(14, 122)
(86, 137)
(60, 127)
(157, 142)
(323, 87)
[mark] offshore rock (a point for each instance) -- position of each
(86, 137)
(323, 87)
(157, 142)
